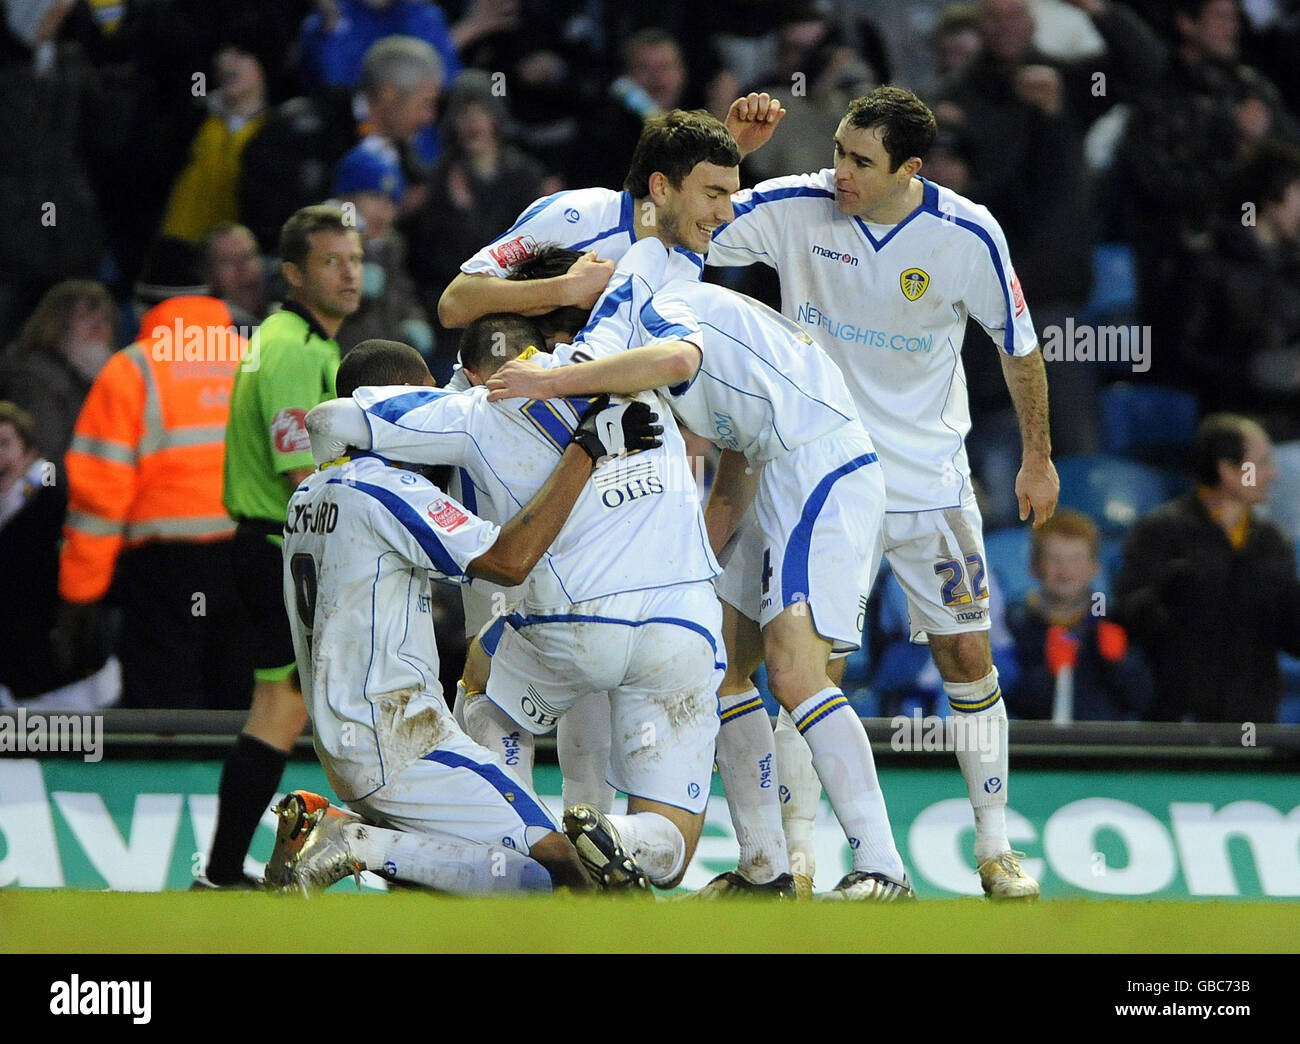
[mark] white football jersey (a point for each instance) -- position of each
(596, 219)
(889, 304)
(362, 539)
(763, 387)
(637, 525)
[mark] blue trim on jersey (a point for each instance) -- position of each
(411, 519)
(612, 303)
(468, 492)
(519, 622)
(752, 395)
(624, 224)
(794, 571)
(774, 196)
(534, 208)
(657, 326)
(516, 796)
(394, 409)
(1008, 340)
(693, 256)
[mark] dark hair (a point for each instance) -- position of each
(12, 413)
(491, 341)
(1221, 436)
(547, 263)
(321, 217)
(379, 362)
(673, 142)
(908, 122)
(1265, 174)
(1189, 8)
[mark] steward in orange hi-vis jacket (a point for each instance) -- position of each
(145, 520)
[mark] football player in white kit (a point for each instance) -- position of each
(622, 601)
(677, 190)
(362, 539)
(883, 268)
(758, 386)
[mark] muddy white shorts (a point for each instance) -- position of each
(659, 655)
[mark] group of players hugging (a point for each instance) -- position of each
(608, 602)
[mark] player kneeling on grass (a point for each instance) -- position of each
(623, 602)
(363, 537)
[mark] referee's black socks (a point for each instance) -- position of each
(248, 782)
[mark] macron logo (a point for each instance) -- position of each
(834, 255)
(102, 998)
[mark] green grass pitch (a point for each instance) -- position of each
(178, 922)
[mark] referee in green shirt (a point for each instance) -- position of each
(268, 454)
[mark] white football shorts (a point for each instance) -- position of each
(464, 790)
(938, 557)
(659, 655)
(813, 537)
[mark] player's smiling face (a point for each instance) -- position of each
(865, 186)
(689, 213)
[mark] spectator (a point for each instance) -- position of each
(370, 178)
(232, 271)
(54, 108)
(1059, 625)
(49, 368)
(32, 504)
(1024, 139)
(1239, 344)
(204, 194)
(145, 516)
(1209, 591)
(290, 162)
(816, 76)
(652, 80)
(336, 36)
(477, 190)
(955, 40)
(1185, 135)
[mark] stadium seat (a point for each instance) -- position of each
(1114, 283)
(1007, 552)
(1114, 492)
(1148, 423)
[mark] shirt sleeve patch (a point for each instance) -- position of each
(446, 516)
(1017, 295)
(514, 251)
(289, 431)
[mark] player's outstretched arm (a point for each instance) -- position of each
(605, 431)
(734, 486)
(1037, 484)
(625, 373)
(472, 295)
(752, 119)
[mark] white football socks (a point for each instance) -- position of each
(655, 842)
(980, 734)
(800, 794)
(444, 862)
(747, 763)
(491, 727)
(841, 754)
(582, 745)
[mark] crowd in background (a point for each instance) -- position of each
(1142, 158)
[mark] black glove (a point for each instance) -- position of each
(624, 427)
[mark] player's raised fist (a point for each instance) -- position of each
(610, 429)
(752, 119)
